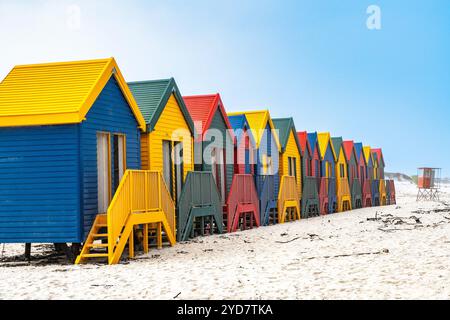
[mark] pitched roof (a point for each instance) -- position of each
(202, 109)
(312, 138)
(379, 155)
(359, 149)
(324, 139)
(58, 93)
(337, 145)
(258, 121)
(349, 148)
(304, 142)
(152, 97)
(239, 123)
(367, 154)
(285, 126)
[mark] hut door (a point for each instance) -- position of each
(178, 160)
(103, 172)
(218, 170)
(222, 173)
(119, 162)
(167, 164)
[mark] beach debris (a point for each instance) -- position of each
(417, 220)
(383, 251)
(284, 234)
(106, 286)
(182, 252)
(314, 236)
(208, 250)
(296, 238)
(177, 295)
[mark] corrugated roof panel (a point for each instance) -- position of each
(358, 149)
(302, 139)
(379, 154)
(149, 95)
(201, 108)
(367, 154)
(237, 122)
(348, 149)
(257, 121)
(337, 144)
(312, 138)
(57, 93)
(283, 126)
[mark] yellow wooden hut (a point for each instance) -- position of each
(344, 202)
(290, 165)
(168, 144)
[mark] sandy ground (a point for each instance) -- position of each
(402, 254)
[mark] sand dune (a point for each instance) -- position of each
(404, 254)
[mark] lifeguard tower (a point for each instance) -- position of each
(428, 182)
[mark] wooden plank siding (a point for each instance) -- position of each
(111, 114)
(291, 152)
(171, 126)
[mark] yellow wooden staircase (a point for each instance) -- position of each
(142, 200)
(288, 200)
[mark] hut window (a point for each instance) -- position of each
(269, 165)
(292, 166)
(342, 170)
(264, 164)
(328, 169)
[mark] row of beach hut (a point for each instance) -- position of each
(87, 158)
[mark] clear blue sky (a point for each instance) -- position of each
(313, 60)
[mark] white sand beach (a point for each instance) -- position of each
(404, 254)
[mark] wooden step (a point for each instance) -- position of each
(100, 235)
(102, 225)
(97, 245)
(95, 255)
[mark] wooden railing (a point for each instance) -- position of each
(289, 195)
(367, 187)
(392, 187)
(382, 187)
(323, 187)
(199, 195)
(139, 191)
(242, 192)
(343, 187)
(288, 189)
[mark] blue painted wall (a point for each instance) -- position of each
(110, 113)
(268, 146)
(48, 184)
(39, 184)
(328, 158)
